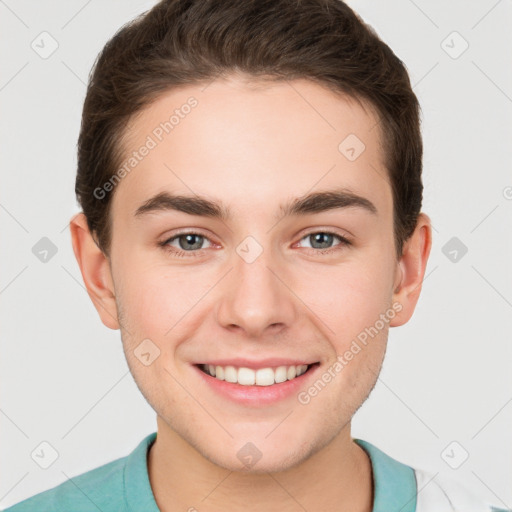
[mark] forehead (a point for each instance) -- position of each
(251, 142)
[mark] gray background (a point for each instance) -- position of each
(446, 378)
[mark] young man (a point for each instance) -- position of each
(250, 179)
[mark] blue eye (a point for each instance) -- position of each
(325, 237)
(190, 243)
(186, 241)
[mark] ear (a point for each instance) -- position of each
(95, 269)
(411, 270)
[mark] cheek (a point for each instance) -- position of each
(157, 298)
(348, 298)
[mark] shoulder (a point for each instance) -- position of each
(443, 494)
(399, 487)
(89, 491)
(120, 485)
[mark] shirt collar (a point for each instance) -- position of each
(138, 492)
(394, 483)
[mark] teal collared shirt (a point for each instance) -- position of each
(394, 483)
(123, 486)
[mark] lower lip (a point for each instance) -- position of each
(257, 395)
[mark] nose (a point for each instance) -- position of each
(256, 297)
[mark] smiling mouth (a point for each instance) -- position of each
(261, 377)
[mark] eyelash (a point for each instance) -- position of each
(184, 254)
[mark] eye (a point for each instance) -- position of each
(322, 241)
(188, 243)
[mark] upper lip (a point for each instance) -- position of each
(262, 363)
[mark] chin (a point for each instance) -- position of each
(259, 456)
(268, 463)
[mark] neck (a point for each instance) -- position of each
(337, 478)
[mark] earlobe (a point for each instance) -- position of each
(411, 271)
(95, 270)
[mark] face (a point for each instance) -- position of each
(262, 285)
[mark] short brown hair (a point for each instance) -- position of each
(180, 42)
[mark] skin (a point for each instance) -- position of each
(253, 147)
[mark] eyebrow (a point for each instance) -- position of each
(315, 202)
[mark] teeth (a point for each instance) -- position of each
(246, 377)
(281, 374)
(230, 374)
(249, 377)
(264, 376)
